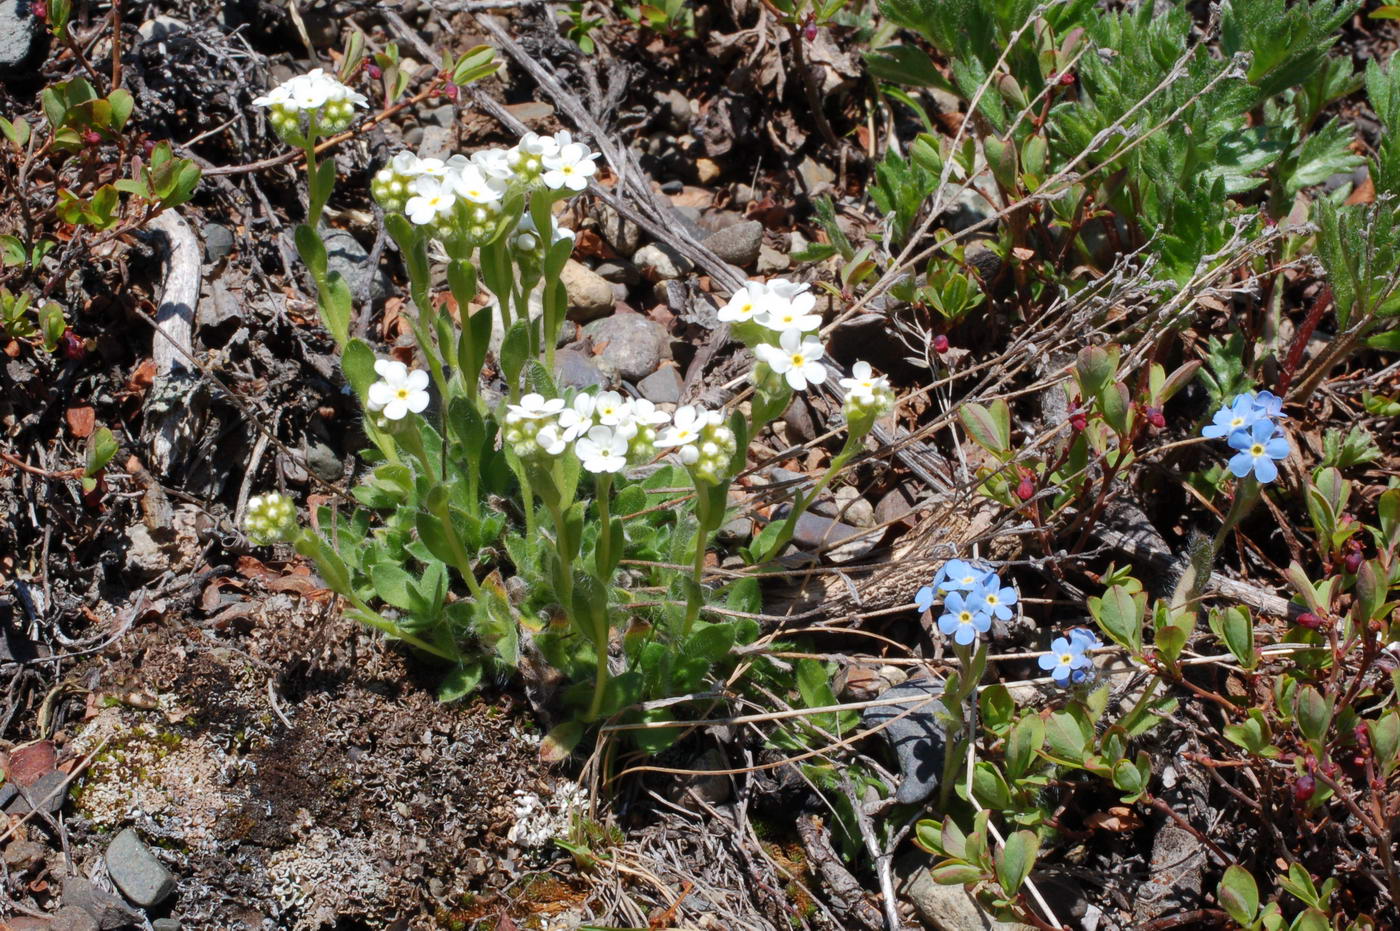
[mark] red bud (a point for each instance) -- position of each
(1078, 422)
(1304, 787)
(940, 344)
(91, 137)
(1154, 417)
(1352, 561)
(1309, 620)
(451, 91)
(373, 71)
(1026, 490)
(39, 10)
(71, 346)
(1067, 79)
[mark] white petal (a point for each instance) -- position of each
(417, 380)
(417, 401)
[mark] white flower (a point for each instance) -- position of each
(495, 165)
(602, 450)
(550, 439)
(794, 313)
(867, 395)
(570, 167)
(748, 303)
(468, 182)
(537, 145)
(864, 381)
(398, 391)
(643, 412)
(609, 408)
(279, 96)
(786, 290)
(796, 358)
(270, 518)
(310, 91)
(533, 407)
(576, 419)
(431, 199)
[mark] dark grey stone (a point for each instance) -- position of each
(737, 244)
(662, 386)
(72, 918)
(917, 738)
(48, 792)
(106, 908)
(22, 38)
(218, 242)
(575, 369)
(628, 344)
(165, 924)
(323, 460)
(345, 255)
(136, 872)
(619, 272)
(622, 234)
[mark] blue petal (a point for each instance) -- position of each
(923, 599)
(947, 624)
(982, 622)
(1061, 645)
(1240, 464)
(1240, 439)
(1048, 661)
(1277, 448)
(965, 635)
(1007, 595)
(1262, 430)
(1265, 470)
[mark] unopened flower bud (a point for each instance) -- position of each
(1078, 422)
(1154, 417)
(1310, 621)
(373, 71)
(1304, 787)
(940, 344)
(271, 518)
(92, 136)
(71, 346)
(1026, 490)
(1067, 79)
(1352, 561)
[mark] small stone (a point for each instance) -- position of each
(917, 737)
(897, 505)
(628, 344)
(49, 792)
(72, 918)
(673, 186)
(677, 110)
(822, 533)
(738, 244)
(619, 272)
(707, 170)
(944, 908)
(664, 262)
(816, 177)
(162, 27)
(165, 924)
(136, 872)
(736, 530)
(662, 386)
(218, 242)
(590, 296)
(854, 509)
(443, 116)
(530, 112)
(345, 255)
(713, 789)
(574, 369)
(106, 908)
(22, 38)
(20, 855)
(436, 143)
(620, 233)
(771, 261)
(323, 460)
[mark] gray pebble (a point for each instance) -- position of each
(218, 242)
(136, 872)
(575, 369)
(22, 39)
(738, 244)
(48, 792)
(629, 344)
(345, 255)
(662, 386)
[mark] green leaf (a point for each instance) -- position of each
(1385, 740)
(989, 427)
(905, 64)
(1016, 859)
(560, 742)
(515, 347)
(121, 103)
(102, 446)
(1120, 614)
(955, 873)
(51, 325)
(1235, 627)
(1239, 895)
(990, 786)
(460, 682)
(312, 251)
(393, 585)
(997, 708)
(357, 362)
(1067, 734)
(1314, 713)
(1027, 737)
(12, 251)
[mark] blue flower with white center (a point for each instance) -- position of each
(1269, 404)
(995, 599)
(1240, 415)
(963, 619)
(1066, 657)
(1256, 450)
(924, 597)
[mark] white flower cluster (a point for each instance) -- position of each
(465, 193)
(609, 432)
(271, 518)
(780, 313)
(312, 99)
(868, 396)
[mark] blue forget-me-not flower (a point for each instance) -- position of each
(1247, 424)
(963, 618)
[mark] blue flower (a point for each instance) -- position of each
(959, 576)
(1086, 638)
(1269, 404)
(923, 598)
(963, 618)
(1066, 657)
(994, 599)
(1240, 415)
(1257, 449)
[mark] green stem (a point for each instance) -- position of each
(604, 522)
(1246, 496)
(380, 622)
(802, 502)
(695, 599)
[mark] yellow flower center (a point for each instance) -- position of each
(993, 600)
(1256, 450)
(1066, 659)
(798, 359)
(402, 393)
(965, 617)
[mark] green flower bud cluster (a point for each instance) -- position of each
(271, 518)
